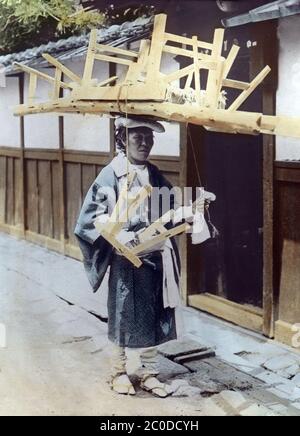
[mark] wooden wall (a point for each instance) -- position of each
(41, 192)
(287, 253)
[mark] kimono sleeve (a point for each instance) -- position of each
(95, 249)
(98, 201)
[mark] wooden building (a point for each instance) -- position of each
(249, 275)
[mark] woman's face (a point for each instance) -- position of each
(140, 143)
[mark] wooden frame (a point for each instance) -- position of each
(243, 315)
(144, 91)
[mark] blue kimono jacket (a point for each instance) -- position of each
(95, 249)
(137, 316)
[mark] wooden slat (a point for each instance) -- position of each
(73, 198)
(188, 53)
(107, 81)
(87, 177)
(236, 84)
(288, 175)
(90, 57)
(45, 199)
(116, 50)
(287, 164)
(39, 154)
(289, 296)
(189, 80)
(10, 152)
(167, 165)
(187, 70)
(3, 188)
(176, 75)
(11, 230)
(41, 75)
(196, 69)
(86, 157)
(32, 217)
(18, 207)
(157, 239)
(138, 68)
(242, 315)
(230, 60)
(43, 241)
(213, 80)
(66, 71)
(10, 199)
(155, 52)
(56, 192)
(113, 59)
(186, 41)
(57, 78)
(32, 88)
(253, 85)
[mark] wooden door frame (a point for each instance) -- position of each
(265, 52)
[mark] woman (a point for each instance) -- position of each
(141, 301)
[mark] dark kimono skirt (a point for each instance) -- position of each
(136, 314)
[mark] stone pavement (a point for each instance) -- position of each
(56, 360)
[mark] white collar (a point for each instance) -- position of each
(119, 165)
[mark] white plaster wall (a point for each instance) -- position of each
(288, 95)
(41, 130)
(167, 143)
(87, 132)
(9, 124)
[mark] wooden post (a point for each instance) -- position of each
(156, 48)
(196, 69)
(22, 157)
(32, 88)
(90, 58)
(266, 51)
(212, 81)
(62, 197)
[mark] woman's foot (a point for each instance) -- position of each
(153, 385)
(122, 385)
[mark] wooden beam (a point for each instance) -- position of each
(253, 85)
(90, 57)
(137, 70)
(41, 75)
(188, 53)
(126, 252)
(229, 61)
(236, 84)
(66, 71)
(32, 88)
(116, 50)
(212, 91)
(186, 41)
(112, 59)
(57, 78)
(163, 236)
(186, 70)
(107, 81)
(156, 47)
(189, 80)
(196, 70)
(242, 315)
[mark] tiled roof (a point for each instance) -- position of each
(269, 11)
(76, 46)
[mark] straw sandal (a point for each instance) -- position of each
(154, 386)
(122, 385)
